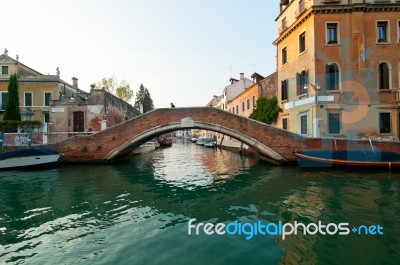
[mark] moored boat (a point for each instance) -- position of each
(203, 140)
(210, 144)
(28, 158)
(351, 158)
(144, 148)
(164, 141)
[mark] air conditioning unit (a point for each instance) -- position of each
(398, 95)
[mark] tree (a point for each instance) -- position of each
(143, 98)
(121, 90)
(267, 110)
(12, 105)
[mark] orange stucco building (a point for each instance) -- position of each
(338, 65)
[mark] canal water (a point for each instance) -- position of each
(137, 212)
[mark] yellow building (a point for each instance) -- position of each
(338, 65)
(35, 89)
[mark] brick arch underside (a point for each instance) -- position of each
(127, 147)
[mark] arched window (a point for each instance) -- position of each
(332, 76)
(302, 82)
(383, 76)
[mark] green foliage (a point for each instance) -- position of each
(143, 98)
(12, 125)
(12, 105)
(267, 110)
(122, 90)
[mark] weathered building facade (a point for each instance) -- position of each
(87, 112)
(338, 65)
(245, 102)
(232, 90)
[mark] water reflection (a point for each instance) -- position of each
(138, 210)
(190, 166)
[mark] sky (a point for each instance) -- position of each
(182, 51)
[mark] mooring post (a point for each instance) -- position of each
(222, 139)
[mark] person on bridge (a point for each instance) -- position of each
(172, 105)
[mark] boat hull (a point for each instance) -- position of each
(28, 158)
(363, 159)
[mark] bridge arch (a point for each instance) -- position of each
(187, 123)
(117, 141)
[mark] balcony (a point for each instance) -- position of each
(301, 9)
(283, 26)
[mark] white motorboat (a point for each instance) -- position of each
(203, 140)
(210, 144)
(28, 158)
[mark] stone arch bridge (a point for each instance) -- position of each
(118, 141)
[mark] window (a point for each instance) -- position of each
(237, 109)
(302, 82)
(243, 106)
(332, 76)
(4, 70)
(398, 30)
(28, 99)
(302, 42)
(284, 88)
(3, 100)
(47, 97)
(384, 122)
(46, 117)
(254, 102)
(333, 123)
(303, 124)
(332, 33)
(283, 25)
(382, 31)
(383, 76)
(284, 123)
(301, 8)
(284, 56)
(248, 104)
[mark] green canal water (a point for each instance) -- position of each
(137, 211)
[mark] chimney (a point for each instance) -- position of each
(75, 82)
(241, 76)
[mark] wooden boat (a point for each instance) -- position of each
(28, 158)
(164, 141)
(352, 158)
